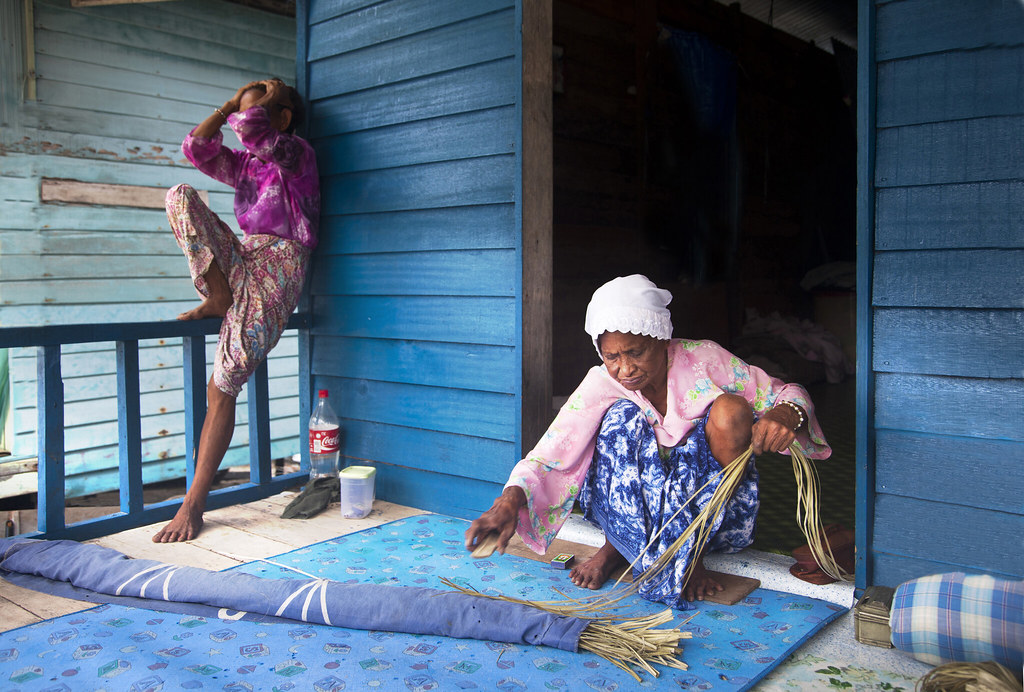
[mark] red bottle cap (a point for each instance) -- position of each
(323, 393)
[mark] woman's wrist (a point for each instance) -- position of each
(793, 411)
(514, 496)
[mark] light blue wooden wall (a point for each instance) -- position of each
(948, 288)
(117, 89)
(416, 292)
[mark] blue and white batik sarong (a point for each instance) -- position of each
(633, 488)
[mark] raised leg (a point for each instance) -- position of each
(217, 301)
(218, 428)
(728, 434)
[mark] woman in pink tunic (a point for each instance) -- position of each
(640, 436)
(253, 284)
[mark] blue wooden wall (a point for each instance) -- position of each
(947, 298)
(116, 89)
(416, 289)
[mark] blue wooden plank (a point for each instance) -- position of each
(92, 332)
(214, 49)
(951, 278)
(975, 215)
(460, 411)
(485, 180)
(896, 569)
(193, 358)
(129, 426)
(958, 343)
(259, 426)
(465, 320)
(970, 538)
(426, 450)
(462, 366)
(466, 135)
(322, 10)
(962, 406)
(460, 228)
(443, 49)
(975, 150)
(472, 88)
(951, 86)
(389, 21)
(455, 496)
(50, 409)
(955, 470)
(454, 273)
(917, 27)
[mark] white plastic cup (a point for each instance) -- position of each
(356, 486)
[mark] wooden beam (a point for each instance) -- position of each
(537, 220)
(53, 190)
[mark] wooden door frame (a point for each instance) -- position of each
(537, 205)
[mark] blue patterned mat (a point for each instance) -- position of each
(118, 647)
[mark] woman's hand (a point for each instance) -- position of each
(233, 103)
(775, 430)
(501, 518)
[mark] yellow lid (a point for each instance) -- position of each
(358, 471)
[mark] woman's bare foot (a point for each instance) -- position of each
(185, 526)
(701, 584)
(211, 307)
(593, 573)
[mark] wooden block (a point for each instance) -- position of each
(736, 588)
(485, 547)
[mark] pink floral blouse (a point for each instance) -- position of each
(698, 372)
(277, 187)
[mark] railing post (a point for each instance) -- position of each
(50, 439)
(193, 362)
(259, 426)
(129, 426)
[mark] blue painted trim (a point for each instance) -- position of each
(259, 426)
(129, 426)
(193, 362)
(865, 453)
(518, 221)
(56, 335)
(50, 437)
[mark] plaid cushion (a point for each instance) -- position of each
(956, 617)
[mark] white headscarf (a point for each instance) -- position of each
(631, 305)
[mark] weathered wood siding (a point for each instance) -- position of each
(116, 90)
(416, 293)
(948, 289)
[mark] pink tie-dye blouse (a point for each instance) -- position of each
(277, 187)
(698, 372)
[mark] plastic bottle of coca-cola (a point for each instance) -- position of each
(324, 434)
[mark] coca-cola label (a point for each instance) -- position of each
(324, 441)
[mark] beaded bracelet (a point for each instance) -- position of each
(221, 113)
(796, 408)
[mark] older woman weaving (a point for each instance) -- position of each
(640, 436)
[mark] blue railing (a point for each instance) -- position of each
(133, 511)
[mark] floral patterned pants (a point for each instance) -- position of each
(265, 273)
(631, 492)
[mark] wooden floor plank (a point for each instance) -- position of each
(17, 601)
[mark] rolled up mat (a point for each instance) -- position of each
(413, 610)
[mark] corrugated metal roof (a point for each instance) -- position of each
(819, 21)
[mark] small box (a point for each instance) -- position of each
(562, 560)
(356, 489)
(871, 617)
